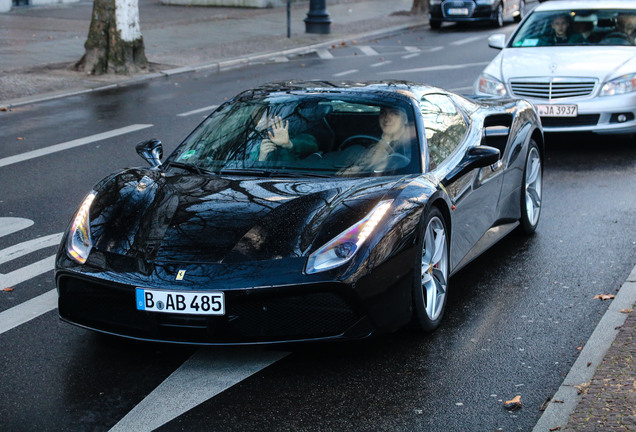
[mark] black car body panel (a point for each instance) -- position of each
(249, 236)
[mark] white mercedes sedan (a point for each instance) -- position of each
(575, 61)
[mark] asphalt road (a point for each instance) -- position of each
(515, 320)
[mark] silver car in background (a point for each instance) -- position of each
(575, 61)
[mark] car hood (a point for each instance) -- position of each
(163, 217)
(601, 63)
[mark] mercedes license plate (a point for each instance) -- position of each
(557, 110)
(458, 11)
(180, 302)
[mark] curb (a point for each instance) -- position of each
(557, 415)
(214, 66)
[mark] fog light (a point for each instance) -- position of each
(621, 117)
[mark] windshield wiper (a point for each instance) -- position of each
(270, 173)
(189, 167)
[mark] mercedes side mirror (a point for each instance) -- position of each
(497, 41)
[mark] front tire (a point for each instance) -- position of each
(430, 281)
(499, 18)
(435, 25)
(532, 190)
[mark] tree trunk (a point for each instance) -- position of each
(114, 43)
(419, 7)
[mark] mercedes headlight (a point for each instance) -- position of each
(344, 246)
(486, 2)
(620, 85)
(490, 85)
(79, 242)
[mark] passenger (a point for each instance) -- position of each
(624, 32)
(583, 27)
(279, 146)
(559, 31)
(396, 138)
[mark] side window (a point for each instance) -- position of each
(445, 126)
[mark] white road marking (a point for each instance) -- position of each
(71, 144)
(347, 72)
(25, 273)
(437, 68)
(469, 39)
(408, 56)
(438, 48)
(207, 373)
(208, 109)
(9, 225)
(324, 54)
(367, 50)
(386, 62)
(28, 310)
(27, 247)
(412, 49)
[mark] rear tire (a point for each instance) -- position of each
(430, 278)
(531, 189)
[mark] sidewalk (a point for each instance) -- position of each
(39, 46)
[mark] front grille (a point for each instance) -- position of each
(582, 120)
(552, 88)
(458, 5)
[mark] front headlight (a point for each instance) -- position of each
(435, 2)
(79, 242)
(620, 85)
(488, 84)
(342, 248)
(486, 2)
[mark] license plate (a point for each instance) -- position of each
(458, 11)
(180, 302)
(557, 110)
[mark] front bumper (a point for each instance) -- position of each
(475, 12)
(600, 115)
(269, 302)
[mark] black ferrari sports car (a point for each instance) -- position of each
(303, 211)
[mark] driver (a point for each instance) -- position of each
(396, 138)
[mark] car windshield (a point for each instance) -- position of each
(320, 134)
(577, 27)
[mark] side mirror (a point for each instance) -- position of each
(497, 41)
(475, 157)
(151, 151)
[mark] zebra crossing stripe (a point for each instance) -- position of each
(27, 247)
(9, 225)
(207, 373)
(324, 54)
(367, 50)
(28, 310)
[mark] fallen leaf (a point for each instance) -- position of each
(626, 311)
(558, 428)
(3, 109)
(605, 296)
(513, 404)
(8, 289)
(20, 138)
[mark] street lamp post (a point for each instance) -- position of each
(317, 20)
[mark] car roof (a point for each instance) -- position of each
(586, 4)
(395, 88)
